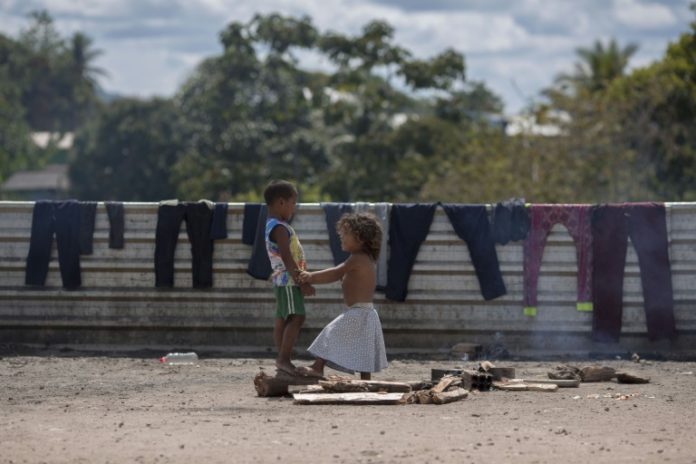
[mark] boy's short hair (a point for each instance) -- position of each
(279, 189)
(366, 228)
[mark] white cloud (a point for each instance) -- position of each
(516, 47)
(643, 15)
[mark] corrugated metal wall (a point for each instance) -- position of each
(119, 305)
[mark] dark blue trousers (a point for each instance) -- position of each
(198, 218)
(471, 224)
(409, 224)
(333, 212)
(61, 218)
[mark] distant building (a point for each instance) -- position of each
(60, 141)
(527, 124)
(49, 183)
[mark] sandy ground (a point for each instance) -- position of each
(116, 409)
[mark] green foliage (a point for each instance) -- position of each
(250, 114)
(658, 117)
(127, 153)
(598, 66)
(383, 125)
(16, 150)
(59, 80)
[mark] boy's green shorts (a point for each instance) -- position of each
(289, 301)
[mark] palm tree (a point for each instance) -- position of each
(82, 58)
(598, 66)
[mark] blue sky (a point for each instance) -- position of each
(515, 47)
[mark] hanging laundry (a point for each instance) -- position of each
(471, 224)
(510, 221)
(218, 228)
(88, 212)
(249, 222)
(198, 217)
(382, 211)
(63, 219)
(332, 213)
(116, 224)
(646, 225)
(408, 227)
(259, 266)
(576, 219)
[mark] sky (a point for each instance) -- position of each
(515, 46)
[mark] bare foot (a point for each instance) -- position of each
(309, 371)
(286, 367)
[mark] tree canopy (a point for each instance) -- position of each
(381, 125)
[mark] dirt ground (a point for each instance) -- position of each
(102, 409)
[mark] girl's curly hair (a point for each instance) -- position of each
(366, 228)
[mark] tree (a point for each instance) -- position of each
(60, 80)
(658, 115)
(251, 113)
(365, 109)
(127, 152)
(598, 66)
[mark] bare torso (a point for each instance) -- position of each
(359, 280)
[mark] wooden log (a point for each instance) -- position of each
(597, 373)
(266, 385)
(504, 386)
(445, 382)
(519, 386)
(420, 385)
(305, 389)
(565, 372)
(542, 387)
(424, 397)
(350, 398)
(449, 396)
(560, 383)
(345, 386)
(297, 379)
(437, 374)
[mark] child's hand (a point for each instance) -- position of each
(307, 290)
(304, 277)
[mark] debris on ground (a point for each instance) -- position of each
(565, 372)
(597, 373)
(629, 377)
(519, 385)
(447, 390)
(585, 374)
(349, 398)
(498, 373)
(277, 385)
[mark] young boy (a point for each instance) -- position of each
(287, 261)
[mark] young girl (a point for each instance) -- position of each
(353, 341)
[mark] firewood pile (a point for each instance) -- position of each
(445, 386)
(447, 390)
(337, 390)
